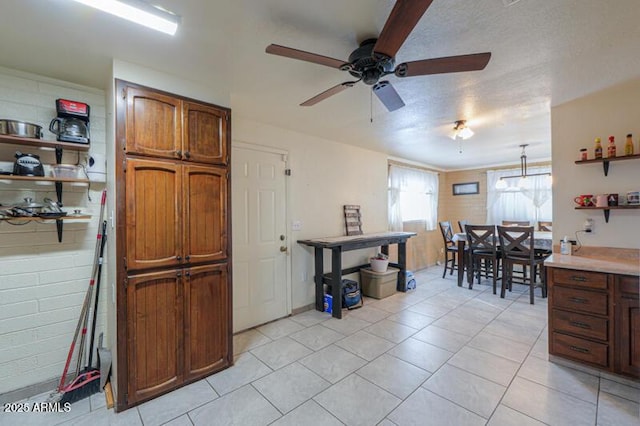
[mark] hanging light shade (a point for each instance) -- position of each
(523, 182)
(461, 130)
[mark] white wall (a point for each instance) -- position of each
(43, 282)
(574, 125)
(325, 175)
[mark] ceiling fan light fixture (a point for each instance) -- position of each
(140, 12)
(461, 130)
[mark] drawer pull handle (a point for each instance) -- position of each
(628, 297)
(579, 300)
(578, 278)
(580, 324)
(578, 349)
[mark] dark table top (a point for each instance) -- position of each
(357, 241)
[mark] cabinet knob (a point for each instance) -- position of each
(178, 153)
(178, 274)
(187, 258)
(187, 273)
(187, 154)
(179, 258)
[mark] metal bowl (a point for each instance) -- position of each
(20, 128)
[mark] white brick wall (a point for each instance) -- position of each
(43, 282)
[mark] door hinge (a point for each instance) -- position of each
(125, 262)
(124, 165)
(287, 172)
(126, 283)
(124, 93)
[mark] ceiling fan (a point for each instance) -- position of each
(375, 58)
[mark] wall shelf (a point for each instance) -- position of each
(605, 161)
(44, 219)
(608, 208)
(58, 147)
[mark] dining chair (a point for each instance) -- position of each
(483, 252)
(462, 224)
(450, 248)
(515, 223)
(516, 245)
(545, 226)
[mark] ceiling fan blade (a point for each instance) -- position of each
(276, 49)
(327, 93)
(388, 95)
(403, 18)
(472, 62)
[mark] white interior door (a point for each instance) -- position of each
(260, 273)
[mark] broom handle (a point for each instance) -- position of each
(85, 306)
(95, 304)
(83, 336)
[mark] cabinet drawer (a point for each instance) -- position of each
(580, 278)
(628, 284)
(578, 300)
(580, 349)
(582, 325)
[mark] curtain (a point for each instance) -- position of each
(527, 199)
(413, 195)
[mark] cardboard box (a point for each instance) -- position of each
(378, 284)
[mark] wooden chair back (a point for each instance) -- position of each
(462, 224)
(545, 226)
(516, 242)
(482, 238)
(447, 233)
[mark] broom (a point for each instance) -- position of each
(57, 395)
(87, 382)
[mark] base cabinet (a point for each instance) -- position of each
(178, 332)
(594, 319)
(628, 319)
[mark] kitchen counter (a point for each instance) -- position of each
(597, 264)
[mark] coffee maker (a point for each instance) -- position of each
(72, 123)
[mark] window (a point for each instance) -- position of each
(522, 199)
(413, 195)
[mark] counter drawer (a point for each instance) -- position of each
(580, 349)
(578, 300)
(582, 325)
(580, 278)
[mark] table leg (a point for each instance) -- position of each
(402, 263)
(336, 281)
(319, 271)
(461, 262)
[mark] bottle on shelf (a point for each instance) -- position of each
(611, 149)
(597, 151)
(583, 154)
(628, 147)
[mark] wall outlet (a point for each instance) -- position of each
(587, 226)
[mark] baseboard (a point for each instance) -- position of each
(29, 391)
(302, 309)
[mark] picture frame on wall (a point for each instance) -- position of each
(466, 188)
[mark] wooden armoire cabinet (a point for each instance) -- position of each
(174, 244)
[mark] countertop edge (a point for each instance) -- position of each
(607, 265)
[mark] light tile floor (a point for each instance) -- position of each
(438, 355)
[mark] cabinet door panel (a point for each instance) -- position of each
(207, 323)
(154, 123)
(153, 213)
(628, 325)
(205, 134)
(205, 213)
(154, 334)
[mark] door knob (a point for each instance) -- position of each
(283, 249)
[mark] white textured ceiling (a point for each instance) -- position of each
(543, 53)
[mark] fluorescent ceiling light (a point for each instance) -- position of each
(139, 12)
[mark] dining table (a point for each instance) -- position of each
(542, 240)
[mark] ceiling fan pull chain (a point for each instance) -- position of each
(371, 106)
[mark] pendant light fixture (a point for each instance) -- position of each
(522, 177)
(139, 12)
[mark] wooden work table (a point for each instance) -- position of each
(337, 245)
